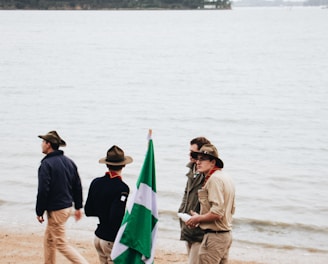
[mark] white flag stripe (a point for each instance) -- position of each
(118, 248)
(153, 235)
(146, 191)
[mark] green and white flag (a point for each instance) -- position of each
(135, 240)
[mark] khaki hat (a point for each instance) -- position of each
(54, 138)
(210, 150)
(115, 156)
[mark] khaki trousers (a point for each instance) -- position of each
(215, 248)
(104, 249)
(55, 238)
(193, 252)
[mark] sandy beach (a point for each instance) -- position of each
(27, 247)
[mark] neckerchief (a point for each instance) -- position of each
(208, 175)
(113, 174)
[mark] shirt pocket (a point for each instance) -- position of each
(203, 200)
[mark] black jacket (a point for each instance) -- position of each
(107, 199)
(59, 184)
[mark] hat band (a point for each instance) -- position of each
(114, 160)
(207, 153)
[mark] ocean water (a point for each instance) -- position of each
(252, 80)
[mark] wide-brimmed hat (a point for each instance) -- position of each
(115, 156)
(210, 150)
(54, 138)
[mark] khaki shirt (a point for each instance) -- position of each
(218, 197)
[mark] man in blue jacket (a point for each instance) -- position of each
(59, 188)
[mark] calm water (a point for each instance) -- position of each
(253, 80)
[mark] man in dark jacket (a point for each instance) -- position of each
(106, 200)
(193, 237)
(59, 187)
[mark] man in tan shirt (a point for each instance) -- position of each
(217, 199)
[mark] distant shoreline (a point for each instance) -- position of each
(153, 8)
(114, 9)
(112, 5)
(117, 9)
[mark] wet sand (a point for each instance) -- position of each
(27, 247)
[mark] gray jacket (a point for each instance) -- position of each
(190, 202)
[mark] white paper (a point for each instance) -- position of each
(184, 217)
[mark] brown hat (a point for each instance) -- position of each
(54, 138)
(210, 150)
(116, 157)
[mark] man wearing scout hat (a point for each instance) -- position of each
(59, 187)
(106, 200)
(192, 236)
(217, 199)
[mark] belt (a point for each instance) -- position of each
(215, 231)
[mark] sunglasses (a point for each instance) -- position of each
(202, 158)
(195, 156)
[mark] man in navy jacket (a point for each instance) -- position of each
(59, 188)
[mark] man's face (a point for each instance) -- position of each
(204, 164)
(46, 147)
(193, 148)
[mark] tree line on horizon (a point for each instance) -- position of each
(113, 4)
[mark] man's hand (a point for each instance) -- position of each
(40, 218)
(194, 220)
(78, 215)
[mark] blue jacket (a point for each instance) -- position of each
(59, 184)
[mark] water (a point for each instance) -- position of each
(252, 80)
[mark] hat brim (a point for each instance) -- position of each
(62, 143)
(219, 163)
(127, 160)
